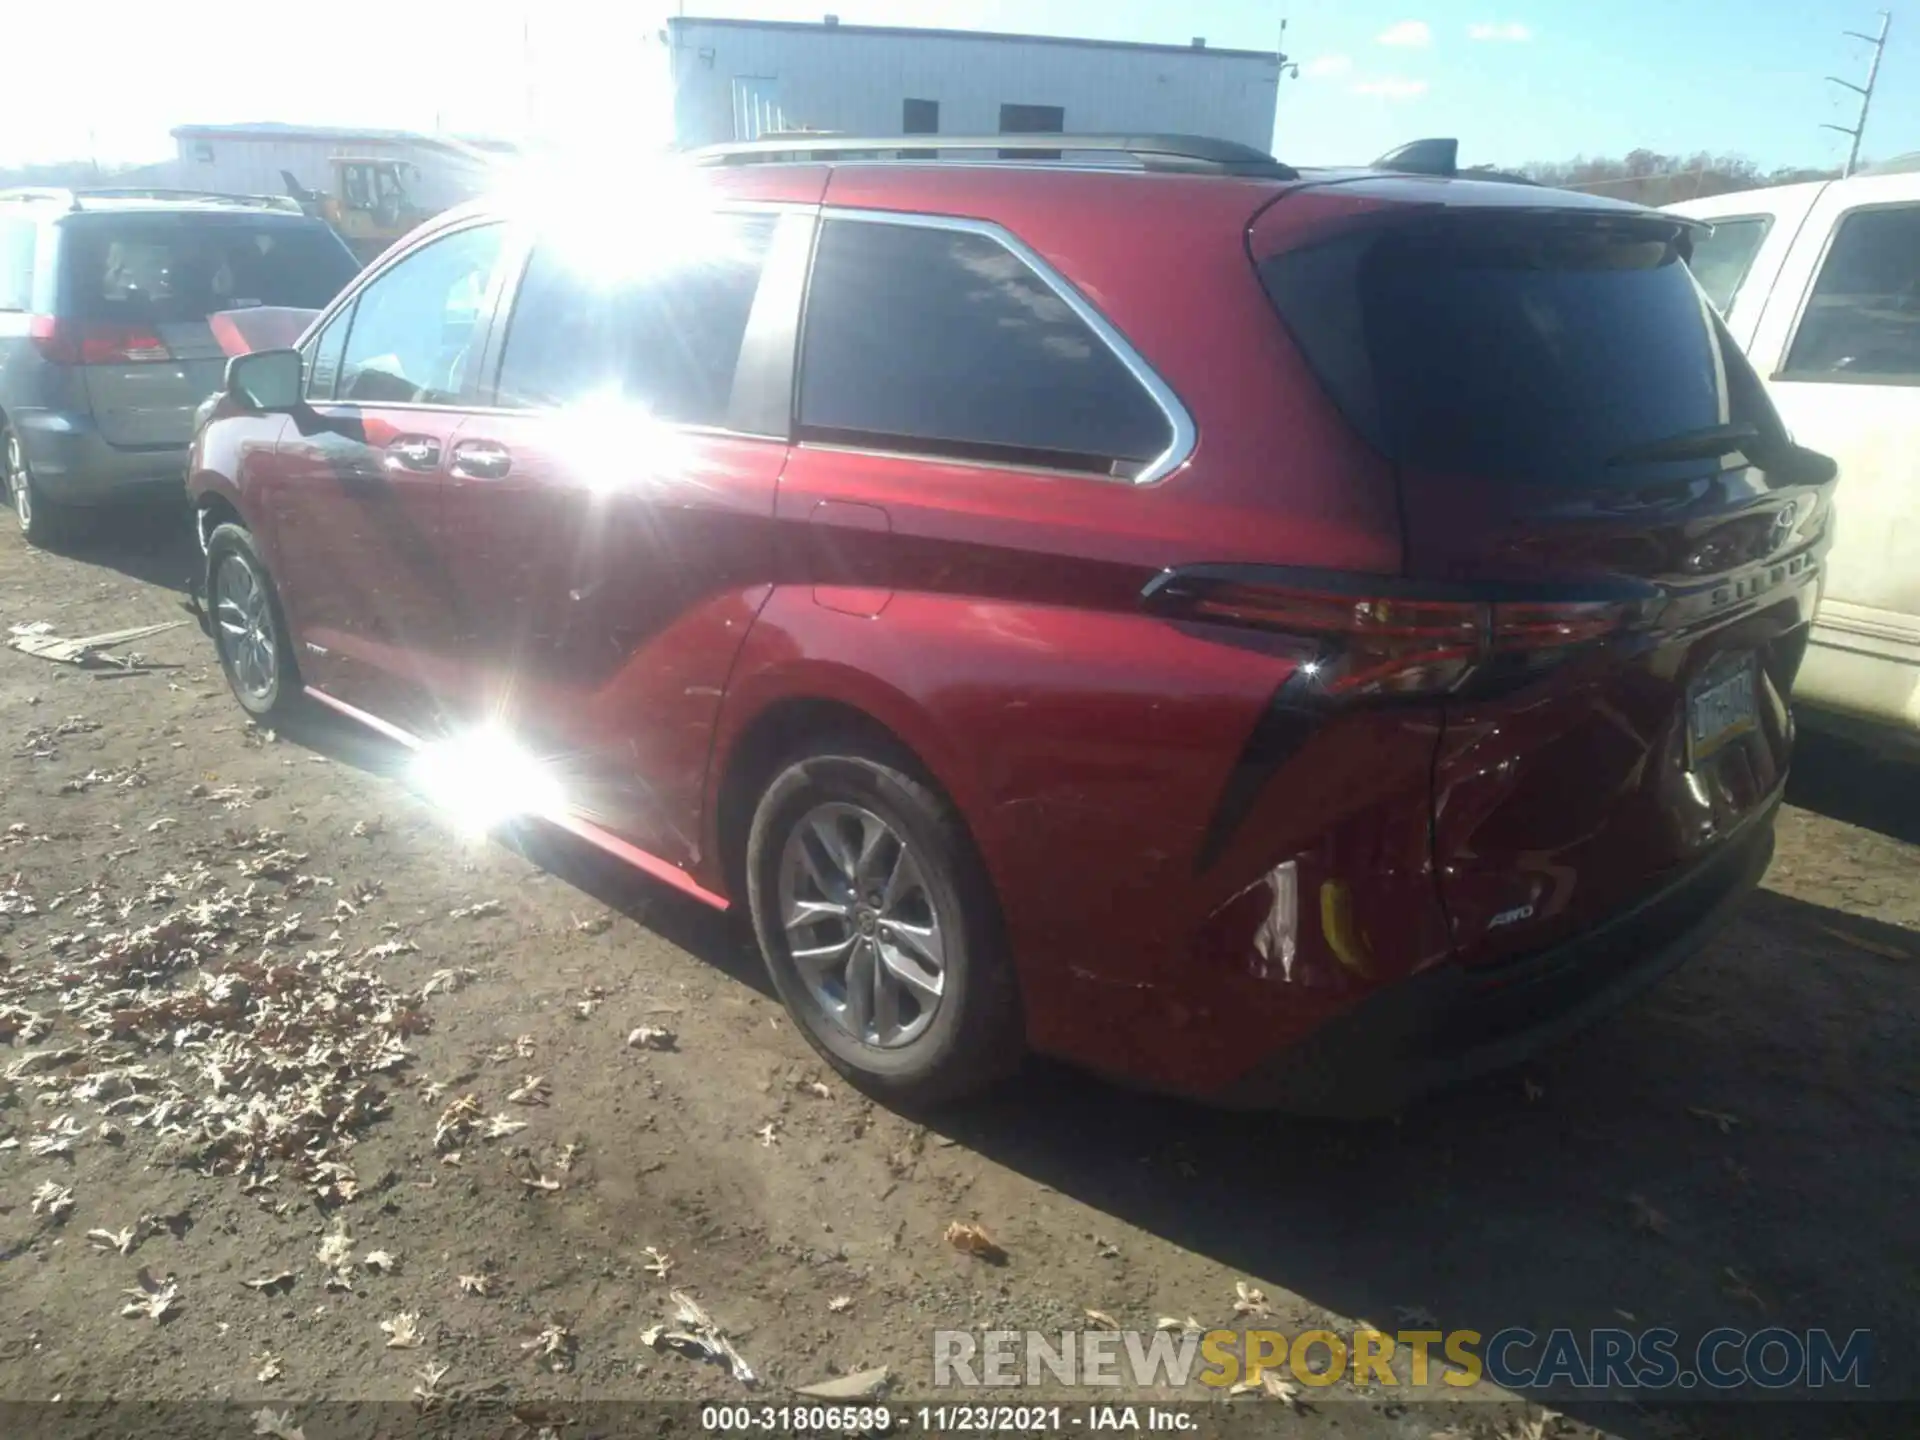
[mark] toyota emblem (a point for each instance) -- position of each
(1782, 530)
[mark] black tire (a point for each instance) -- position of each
(280, 698)
(976, 1034)
(40, 521)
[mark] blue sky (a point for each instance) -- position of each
(1515, 80)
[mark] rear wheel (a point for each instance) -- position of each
(40, 521)
(879, 926)
(249, 630)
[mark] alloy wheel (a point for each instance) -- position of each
(861, 924)
(245, 620)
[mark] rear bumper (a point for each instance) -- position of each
(73, 465)
(1450, 1023)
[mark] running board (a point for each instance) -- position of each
(602, 840)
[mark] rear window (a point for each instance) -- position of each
(1721, 260)
(1535, 349)
(171, 268)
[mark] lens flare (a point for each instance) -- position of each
(484, 778)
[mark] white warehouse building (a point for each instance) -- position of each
(741, 79)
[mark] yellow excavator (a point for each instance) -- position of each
(369, 206)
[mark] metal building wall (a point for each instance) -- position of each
(251, 164)
(735, 81)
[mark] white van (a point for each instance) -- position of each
(1820, 284)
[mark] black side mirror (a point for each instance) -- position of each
(269, 381)
(1809, 467)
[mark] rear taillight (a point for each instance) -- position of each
(1387, 638)
(93, 342)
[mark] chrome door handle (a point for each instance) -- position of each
(481, 460)
(414, 452)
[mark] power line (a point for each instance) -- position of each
(1865, 92)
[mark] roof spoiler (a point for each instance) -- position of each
(1439, 158)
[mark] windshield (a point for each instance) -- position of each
(161, 269)
(1537, 349)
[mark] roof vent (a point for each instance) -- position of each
(1199, 42)
(832, 20)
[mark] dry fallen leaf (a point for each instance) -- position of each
(541, 1183)
(816, 1087)
(1103, 1320)
(1271, 1385)
(554, 1344)
(523, 1046)
(476, 1284)
(971, 1239)
(1532, 1088)
(1719, 1119)
(268, 1367)
(1249, 1301)
(769, 1134)
(533, 1090)
(448, 980)
(403, 1331)
(455, 1121)
(278, 1424)
(501, 1126)
(151, 1299)
(56, 1200)
(427, 1392)
(120, 1240)
(283, 1281)
(1645, 1217)
(336, 1247)
(479, 910)
(840, 1303)
(381, 1260)
(1188, 1326)
(658, 1262)
(650, 1037)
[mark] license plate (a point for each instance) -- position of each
(1721, 707)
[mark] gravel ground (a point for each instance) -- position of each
(264, 1018)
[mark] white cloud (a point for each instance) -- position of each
(1323, 66)
(1392, 87)
(1415, 33)
(1511, 32)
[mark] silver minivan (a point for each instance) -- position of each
(105, 346)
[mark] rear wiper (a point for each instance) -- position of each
(1699, 444)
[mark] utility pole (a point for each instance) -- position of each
(1865, 92)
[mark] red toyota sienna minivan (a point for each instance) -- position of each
(1290, 637)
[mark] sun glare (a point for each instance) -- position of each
(484, 778)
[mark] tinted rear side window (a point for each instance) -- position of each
(946, 342)
(1523, 348)
(162, 269)
(667, 334)
(1721, 260)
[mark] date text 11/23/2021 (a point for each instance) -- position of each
(945, 1419)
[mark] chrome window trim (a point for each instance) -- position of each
(1185, 435)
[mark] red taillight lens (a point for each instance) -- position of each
(1393, 644)
(72, 342)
